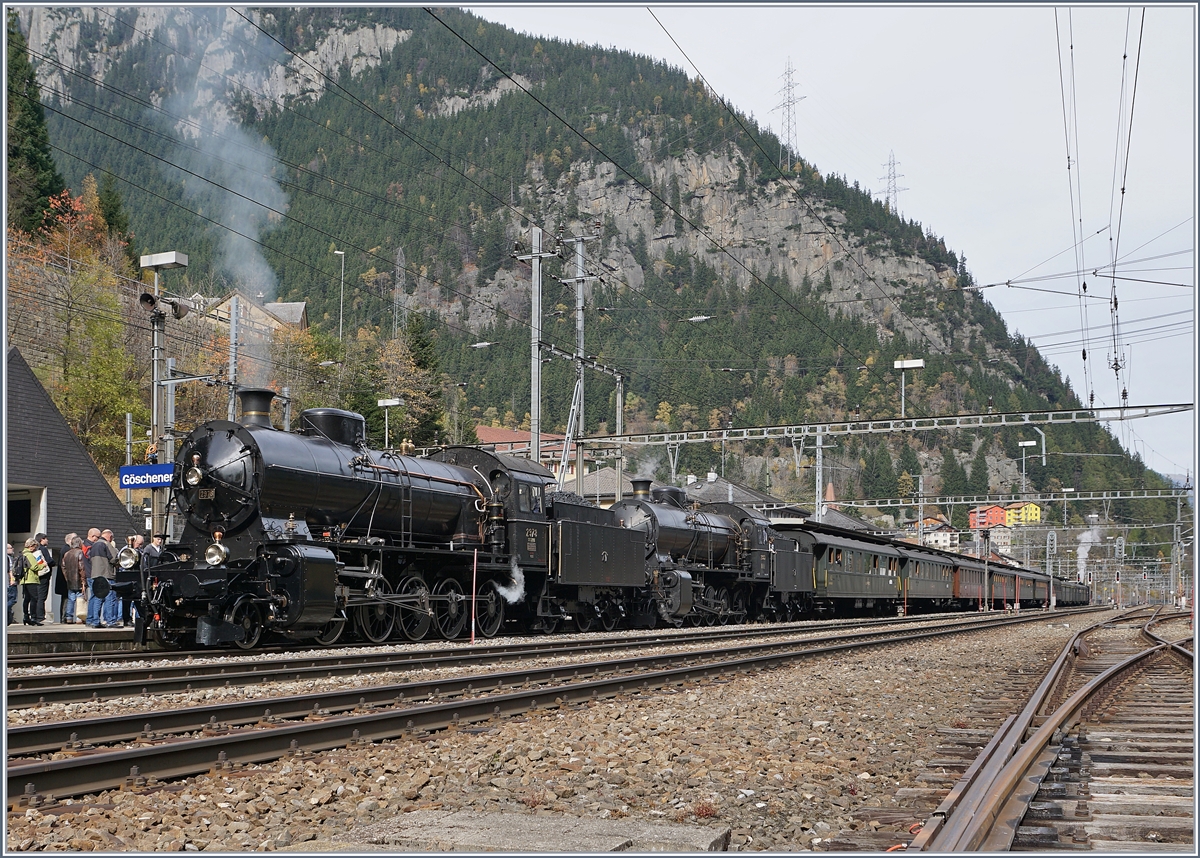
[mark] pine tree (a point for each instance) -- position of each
(32, 177)
(978, 482)
(908, 462)
(424, 355)
(954, 478)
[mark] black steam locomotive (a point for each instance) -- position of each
(312, 535)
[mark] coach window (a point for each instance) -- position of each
(523, 497)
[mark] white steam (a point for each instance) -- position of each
(514, 591)
(1091, 536)
(229, 176)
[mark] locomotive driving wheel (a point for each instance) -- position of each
(246, 615)
(414, 615)
(489, 609)
(376, 621)
(449, 608)
(723, 606)
(741, 605)
(710, 602)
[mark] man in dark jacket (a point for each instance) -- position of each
(60, 580)
(100, 565)
(72, 569)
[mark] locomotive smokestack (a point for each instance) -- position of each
(641, 489)
(256, 407)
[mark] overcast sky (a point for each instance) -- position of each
(969, 99)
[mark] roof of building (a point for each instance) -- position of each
(714, 489)
(42, 451)
(289, 312)
(292, 313)
(837, 518)
(602, 483)
(518, 439)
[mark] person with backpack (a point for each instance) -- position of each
(44, 575)
(10, 562)
(30, 565)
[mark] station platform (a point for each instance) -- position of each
(20, 639)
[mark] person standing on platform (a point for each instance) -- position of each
(112, 602)
(29, 567)
(45, 575)
(74, 572)
(60, 580)
(100, 562)
(9, 560)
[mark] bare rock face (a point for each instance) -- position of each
(740, 234)
(233, 56)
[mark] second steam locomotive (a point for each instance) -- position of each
(312, 535)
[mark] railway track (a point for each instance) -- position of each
(30, 690)
(1100, 758)
(207, 654)
(155, 748)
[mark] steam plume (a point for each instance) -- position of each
(514, 591)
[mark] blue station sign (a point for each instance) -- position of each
(146, 476)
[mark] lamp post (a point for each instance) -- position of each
(387, 405)
(986, 533)
(1023, 445)
(903, 365)
(341, 292)
(159, 262)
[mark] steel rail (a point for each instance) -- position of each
(1176, 646)
(74, 735)
(91, 773)
(987, 816)
(967, 795)
(38, 689)
(508, 643)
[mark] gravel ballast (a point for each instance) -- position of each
(783, 758)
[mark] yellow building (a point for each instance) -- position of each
(1022, 512)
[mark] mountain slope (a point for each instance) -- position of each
(258, 142)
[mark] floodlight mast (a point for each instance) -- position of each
(159, 262)
(903, 365)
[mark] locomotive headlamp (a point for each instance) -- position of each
(193, 475)
(128, 557)
(217, 553)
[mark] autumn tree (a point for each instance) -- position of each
(96, 375)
